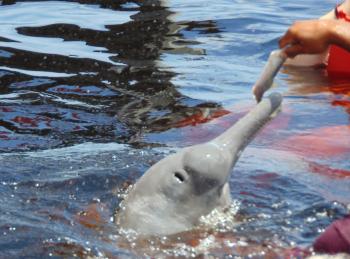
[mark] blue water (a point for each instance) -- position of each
(94, 92)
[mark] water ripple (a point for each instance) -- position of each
(92, 90)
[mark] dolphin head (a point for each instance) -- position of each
(175, 192)
(172, 195)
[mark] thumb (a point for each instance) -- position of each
(293, 50)
(286, 39)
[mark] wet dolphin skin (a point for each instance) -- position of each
(175, 192)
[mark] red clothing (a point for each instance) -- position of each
(339, 59)
(336, 238)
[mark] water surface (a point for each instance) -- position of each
(94, 92)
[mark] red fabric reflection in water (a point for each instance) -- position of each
(265, 180)
(326, 142)
(209, 125)
(201, 116)
(25, 121)
(32, 122)
(328, 171)
(5, 109)
(4, 135)
(94, 216)
(340, 86)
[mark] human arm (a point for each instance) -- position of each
(314, 36)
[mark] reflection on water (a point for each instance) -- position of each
(88, 71)
(92, 90)
(19, 30)
(313, 81)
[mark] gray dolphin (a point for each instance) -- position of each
(175, 192)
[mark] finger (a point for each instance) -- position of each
(294, 50)
(286, 39)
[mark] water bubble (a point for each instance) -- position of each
(96, 200)
(221, 220)
(320, 230)
(322, 214)
(230, 243)
(106, 82)
(133, 82)
(163, 240)
(264, 216)
(12, 229)
(242, 243)
(276, 205)
(100, 254)
(310, 219)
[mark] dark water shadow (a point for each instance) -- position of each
(118, 93)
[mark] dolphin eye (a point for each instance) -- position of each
(179, 176)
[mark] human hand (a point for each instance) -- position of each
(307, 37)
